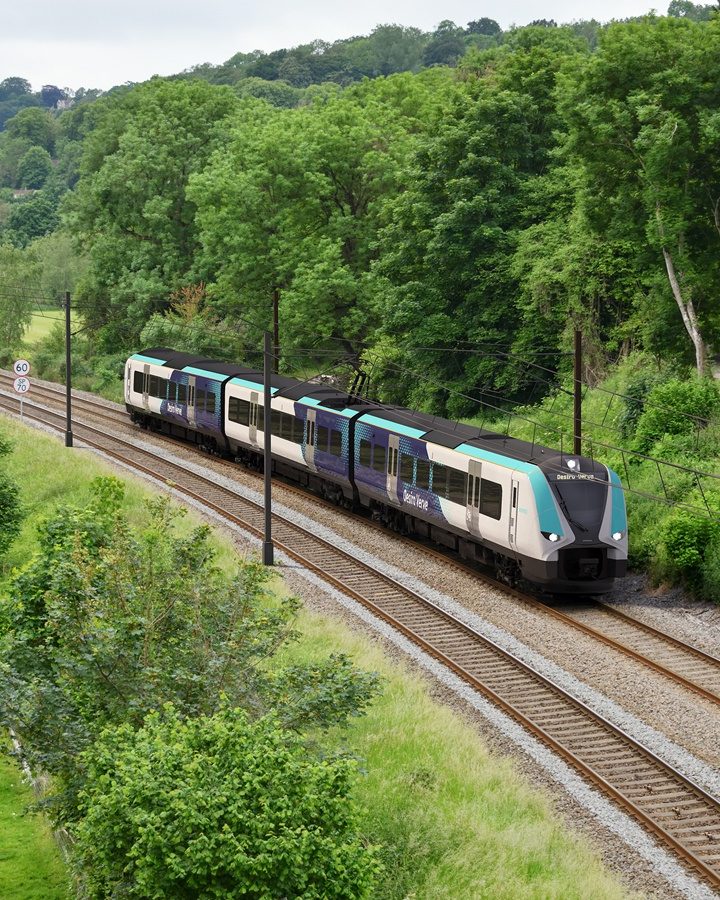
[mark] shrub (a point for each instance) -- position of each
(219, 806)
(108, 622)
(10, 509)
(684, 542)
(668, 409)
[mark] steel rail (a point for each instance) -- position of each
(711, 663)
(586, 740)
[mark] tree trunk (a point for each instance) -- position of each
(687, 310)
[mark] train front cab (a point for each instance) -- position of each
(586, 539)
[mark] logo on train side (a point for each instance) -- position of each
(414, 500)
(174, 408)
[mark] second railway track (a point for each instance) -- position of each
(677, 811)
(665, 654)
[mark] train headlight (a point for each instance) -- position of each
(617, 535)
(550, 536)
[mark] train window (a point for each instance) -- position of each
(439, 479)
(490, 498)
(457, 486)
(239, 411)
(182, 393)
(138, 382)
(335, 442)
(378, 462)
(423, 474)
(365, 452)
(153, 386)
(323, 435)
(200, 400)
(260, 417)
(407, 468)
(275, 422)
(210, 402)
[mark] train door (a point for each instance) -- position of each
(254, 417)
(128, 382)
(146, 381)
(392, 466)
(310, 439)
(514, 500)
(472, 514)
(192, 418)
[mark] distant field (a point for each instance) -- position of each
(42, 324)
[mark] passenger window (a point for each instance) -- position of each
(210, 402)
(153, 386)
(378, 462)
(365, 452)
(335, 442)
(457, 486)
(321, 441)
(439, 479)
(138, 380)
(423, 474)
(182, 393)
(276, 422)
(259, 415)
(490, 499)
(200, 400)
(407, 468)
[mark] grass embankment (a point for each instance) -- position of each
(30, 865)
(453, 821)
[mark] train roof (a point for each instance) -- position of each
(434, 429)
(319, 394)
(456, 435)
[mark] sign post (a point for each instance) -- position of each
(21, 367)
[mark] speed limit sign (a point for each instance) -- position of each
(21, 385)
(21, 367)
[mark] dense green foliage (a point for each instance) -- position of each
(110, 622)
(10, 507)
(441, 210)
(219, 806)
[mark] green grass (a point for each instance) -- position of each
(453, 821)
(42, 324)
(30, 865)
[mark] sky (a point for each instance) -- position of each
(101, 43)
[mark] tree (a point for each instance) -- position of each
(35, 126)
(50, 95)
(13, 87)
(33, 217)
(484, 26)
(219, 806)
(109, 622)
(686, 9)
(130, 211)
(20, 277)
(34, 168)
(446, 45)
(644, 127)
(10, 507)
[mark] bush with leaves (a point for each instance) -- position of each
(684, 543)
(670, 406)
(219, 806)
(109, 622)
(10, 509)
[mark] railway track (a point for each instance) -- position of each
(678, 812)
(666, 655)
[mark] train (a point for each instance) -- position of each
(551, 520)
